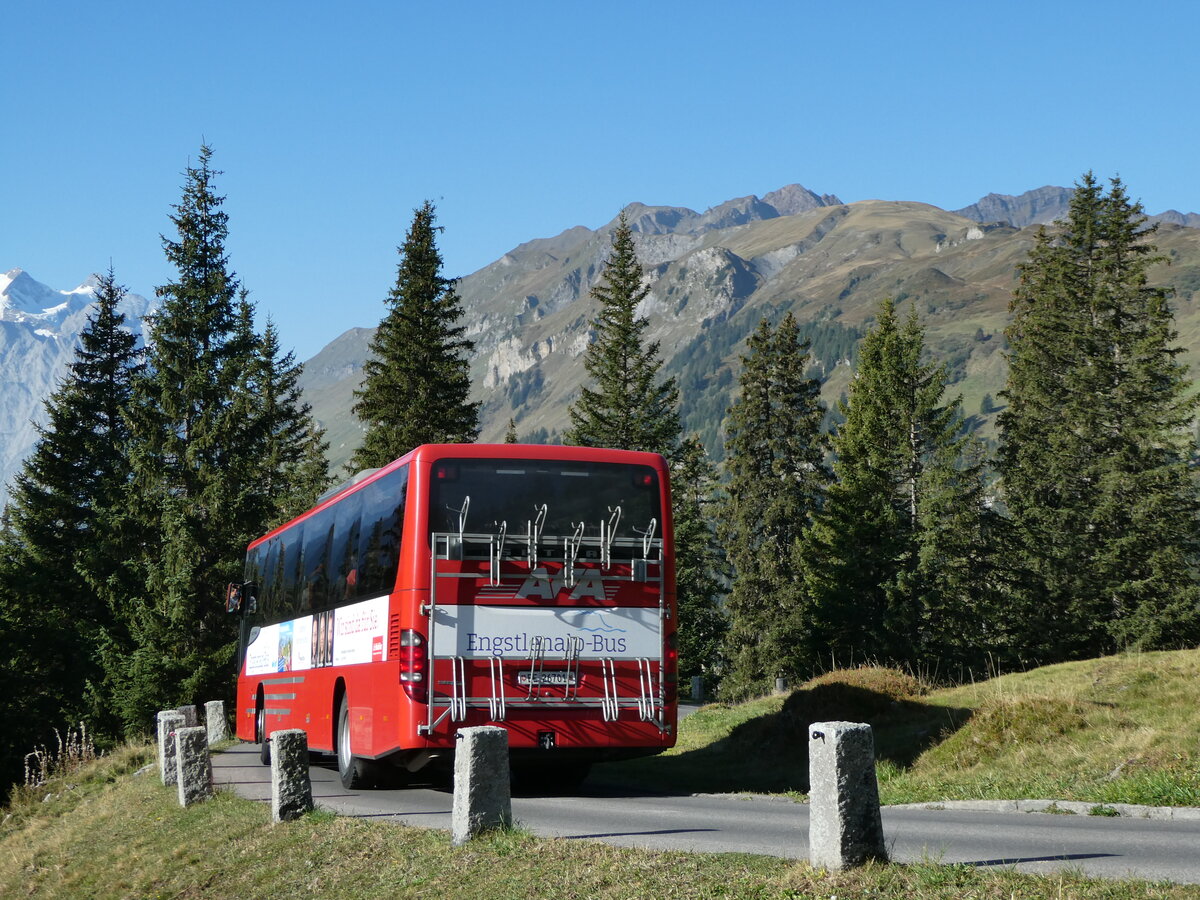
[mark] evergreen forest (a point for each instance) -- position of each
(877, 530)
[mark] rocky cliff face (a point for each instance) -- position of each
(39, 332)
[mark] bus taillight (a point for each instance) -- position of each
(414, 665)
(671, 675)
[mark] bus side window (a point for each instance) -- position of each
(272, 581)
(344, 552)
(292, 567)
(379, 538)
(318, 532)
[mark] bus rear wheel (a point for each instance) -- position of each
(260, 733)
(354, 771)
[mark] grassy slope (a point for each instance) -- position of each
(1123, 729)
(106, 833)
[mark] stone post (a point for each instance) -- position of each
(844, 826)
(195, 768)
(214, 720)
(168, 721)
(291, 787)
(780, 685)
(697, 687)
(482, 797)
(191, 717)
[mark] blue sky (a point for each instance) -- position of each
(331, 123)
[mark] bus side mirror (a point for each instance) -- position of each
(233, 598)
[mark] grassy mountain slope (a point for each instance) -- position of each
(530, 311)
(1121, 729)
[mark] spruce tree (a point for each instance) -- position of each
(895, 559)
(701, 571)
(624, 406)
(416, 382)
(777, 478)
(56, 546)
(189, 450)
(1095, 441)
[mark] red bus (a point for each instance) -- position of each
(530, 587)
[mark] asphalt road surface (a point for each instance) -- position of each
(728, 823)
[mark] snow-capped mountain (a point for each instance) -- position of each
(39, 331)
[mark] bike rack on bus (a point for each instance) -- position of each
(496, 701)
(452, 546)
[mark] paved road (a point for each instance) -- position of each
(722, 823)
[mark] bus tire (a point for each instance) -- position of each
(354, 772)
(260, 733)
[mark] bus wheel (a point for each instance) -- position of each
(260, 733)
(354, 772)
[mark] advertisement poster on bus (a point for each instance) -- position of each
(347, 636)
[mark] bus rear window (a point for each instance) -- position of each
(513, 492)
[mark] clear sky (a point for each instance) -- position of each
(332, 122)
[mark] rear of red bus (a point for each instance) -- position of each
(534, 590)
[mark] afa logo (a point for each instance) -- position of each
(542, 586)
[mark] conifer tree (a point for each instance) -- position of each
(1095, 440)
(777, 478)
(189, 454)
(56, 544)
(416, 382)
(510, 434)
(624, 406)
(701, 571)
(291, 458)
(895, 559)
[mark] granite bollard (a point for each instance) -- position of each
(482, 795)
(214, 721)
(169, 721)
(291, 787)
(845, 829)
(195, 767)
(191, 716)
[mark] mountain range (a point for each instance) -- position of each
(39, 332)
(713, 276)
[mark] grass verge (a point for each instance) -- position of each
(106, 833)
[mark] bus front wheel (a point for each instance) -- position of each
(354, 771)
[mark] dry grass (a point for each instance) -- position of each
(113, 835)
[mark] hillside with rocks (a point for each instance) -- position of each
(714, 275)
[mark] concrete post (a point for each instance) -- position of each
(195, 768)
(214, 721)
(291, 787)
(190, 716)
(780, 685)
(482, 797)
(168, 721)
(844, 826)
(697, 687)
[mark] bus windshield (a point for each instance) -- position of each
(512, 492)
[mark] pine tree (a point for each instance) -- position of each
(777, 478)
(56, 544)
(416, 381)
(510, 434)
(895, 559)
(1095, 440)
(625, 407)
(700, 570)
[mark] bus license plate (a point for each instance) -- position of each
(556, 679)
